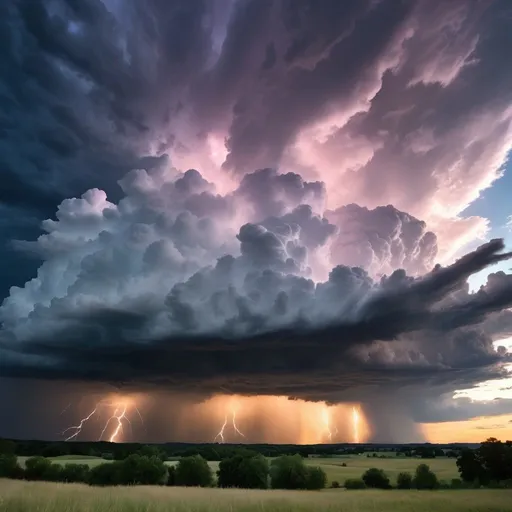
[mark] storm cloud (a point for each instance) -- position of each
(252, 195)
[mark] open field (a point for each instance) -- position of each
(445, 468)
(18, 496)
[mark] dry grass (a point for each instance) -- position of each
(18, 496)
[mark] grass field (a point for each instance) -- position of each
(18, 496)
(445, 468)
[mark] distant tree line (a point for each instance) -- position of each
(215, 452)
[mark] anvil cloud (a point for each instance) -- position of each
(337, 145)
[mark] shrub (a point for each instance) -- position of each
(424, 478)
(404, 481)
(73, 473)
(316, 479)
(344, 465)
(9, 467)
(244, 471)
(37, 467)
(456, 483)
(142, 470)
(105, 474)
(288, 472)
(354, 483)
(194, 471)
(335, 484)
(376, 478)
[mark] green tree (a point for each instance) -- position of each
(74, 473)
(288, 472)
(141, 470)
(470, 467)
(404, 481)
(245, 471)
(9, 467)
(424, 478)
(376, 478)
(106, 474)
(316, 478)
(194, 471)
(7, 447)
(496, 459)
(36, 467)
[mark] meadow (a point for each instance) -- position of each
(20, 496)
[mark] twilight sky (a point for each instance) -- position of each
(288, 198)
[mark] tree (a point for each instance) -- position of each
(470, 467)
(288, 472)
(74, 473)
(141, 470)
(245, 471)
(36, 467)
(106, 474)
(7, 447)
(9, 467)
(496, 459)
(194, 471)
(424, 478)
(376, 478)
(152, 451)
(404, 481)
(316, 478)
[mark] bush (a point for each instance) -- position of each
(7, 447)
(424, 478)
(37, 468)
(316, 479)
(244, 471)
(9, 467)
(194, 471)
(456, 483)
(376, 479)
(404, 481)
(335, 484)
(354, 483)
(288, 472)
(142, 470)
(74, 473)
(106, 474)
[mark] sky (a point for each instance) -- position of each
(284, 221)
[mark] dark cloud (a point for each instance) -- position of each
(336, 103)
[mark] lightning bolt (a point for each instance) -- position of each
(119, 416)
(326, 419)
(355, 424)
(220, 435)
(76, 429)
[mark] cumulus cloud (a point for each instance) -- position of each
(341, 107)
(154, 290)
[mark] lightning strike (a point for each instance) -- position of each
(119, 417)
(220, 435)
(355, 424)
(326, 418)
(76, 429)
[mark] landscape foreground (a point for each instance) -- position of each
(18, 496)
